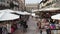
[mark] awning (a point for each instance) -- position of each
(7, 10)
(57, 17)
(46, 9)
(8, 16)
(23, 13)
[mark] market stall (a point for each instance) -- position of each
(57, 17)
(6, 22)
(45, 16)
(47, 12)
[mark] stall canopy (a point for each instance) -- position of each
(7, 10)
(57, 17)
(26, 13)
(23, 13)
(18, 12)
(7, 16)
(46, 9)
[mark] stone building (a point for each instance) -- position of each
(12, 4)
(31, 6)
(4, 4)
(22, 4)
(49, 3)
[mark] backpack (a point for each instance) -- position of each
(52, 26)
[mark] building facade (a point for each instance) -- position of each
(12, 4)
(31, 6)
(22, 4)
(48, 3)
(4, 4)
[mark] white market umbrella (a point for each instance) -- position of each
(57, 17)
(7, 10)
(23, 13)
(1, 14)
(8, 16)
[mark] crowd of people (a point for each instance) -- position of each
(9, 27)
(48, 25)
(23, 23)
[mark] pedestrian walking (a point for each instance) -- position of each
(25, 26)
(18, 26)
(47, 27)
(4, 30)
(39, 26)
(53, 26)
(42, 25)
(8, 28)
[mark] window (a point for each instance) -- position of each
(2, 0)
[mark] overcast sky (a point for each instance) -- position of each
(32, 1)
